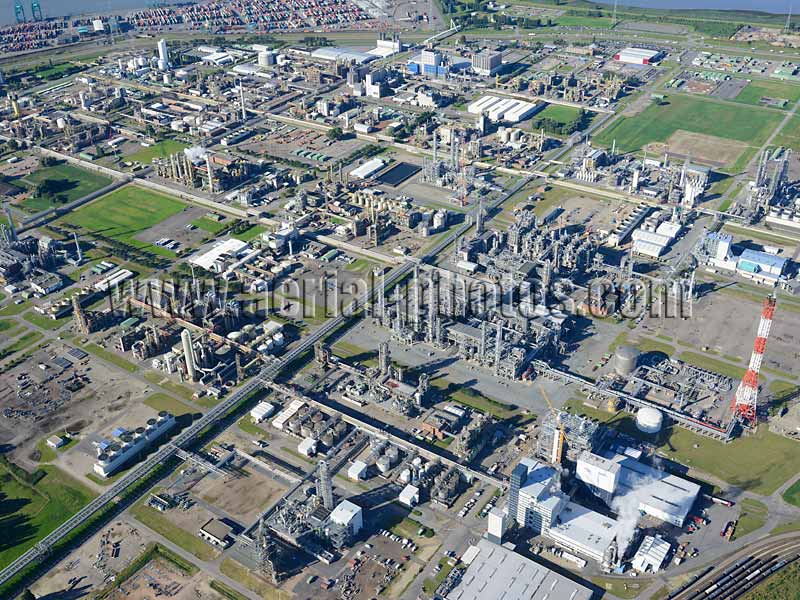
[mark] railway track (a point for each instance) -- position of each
(741, 573)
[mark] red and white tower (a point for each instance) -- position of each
(746, 399)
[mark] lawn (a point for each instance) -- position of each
(110, 357)
(158, 150)
(755, 90)
(251, 581)
(67, 182)
(250, 234)
(557, 112)
(48, 454)
(752, 517)
(704, 362)
(792, 495)
(187, 540)
(210, 225)
(21, 343)
(159, 402)
(472, 399)
(126, 212)
(44, 322)
(658, 122)
(28, 513)
(784, 585)
(164, 382)
(789, 136)
(759, 462)
(621, 587)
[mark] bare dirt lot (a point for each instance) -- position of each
(243, 497)
(705, 148)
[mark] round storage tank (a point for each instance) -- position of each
(625, 360)
(649, 420)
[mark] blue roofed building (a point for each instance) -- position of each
(761, 266)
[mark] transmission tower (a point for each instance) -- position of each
(746, 400)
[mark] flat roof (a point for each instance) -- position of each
(206, 258)
(345, 512)
(586, 528)
(497, 573)
(762, 258)
(655, 488)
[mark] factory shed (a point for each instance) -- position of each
(651, 554)
(263, 410)
(637, 56)
(497, 573)
(368, 169)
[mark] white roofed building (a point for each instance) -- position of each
(497, 573)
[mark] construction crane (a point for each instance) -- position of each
(745, 402)
(557, 451)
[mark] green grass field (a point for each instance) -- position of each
(188, 540)
(759, 463)
(657, 123)
(71, 183)
(126, 212)
(792, 495)
(557, 112)
(159, 402)
(789, 136)
(45, 322)
(157, 150)
(753, 516)
(29, 513)
(784, 585)
(755, 90)
(250, 234)
(19, 344)
(210, 225)
(111, 357)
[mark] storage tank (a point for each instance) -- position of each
(649, 420)
(625, 360)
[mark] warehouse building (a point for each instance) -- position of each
(761, 266)
(496, 573)
(498, 109)
(638, 56)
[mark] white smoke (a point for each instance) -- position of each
(626, 507)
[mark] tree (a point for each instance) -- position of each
(48, 161)
(27, 595)
(335, 133)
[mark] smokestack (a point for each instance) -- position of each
(188, 354)
(79, 254)
(11, 227)
(210, 170)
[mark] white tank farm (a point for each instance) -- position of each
(649, 420)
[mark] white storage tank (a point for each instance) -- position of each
(625, 360)
(649, 420)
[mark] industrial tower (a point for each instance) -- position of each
(746, 399)
(324, 485)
